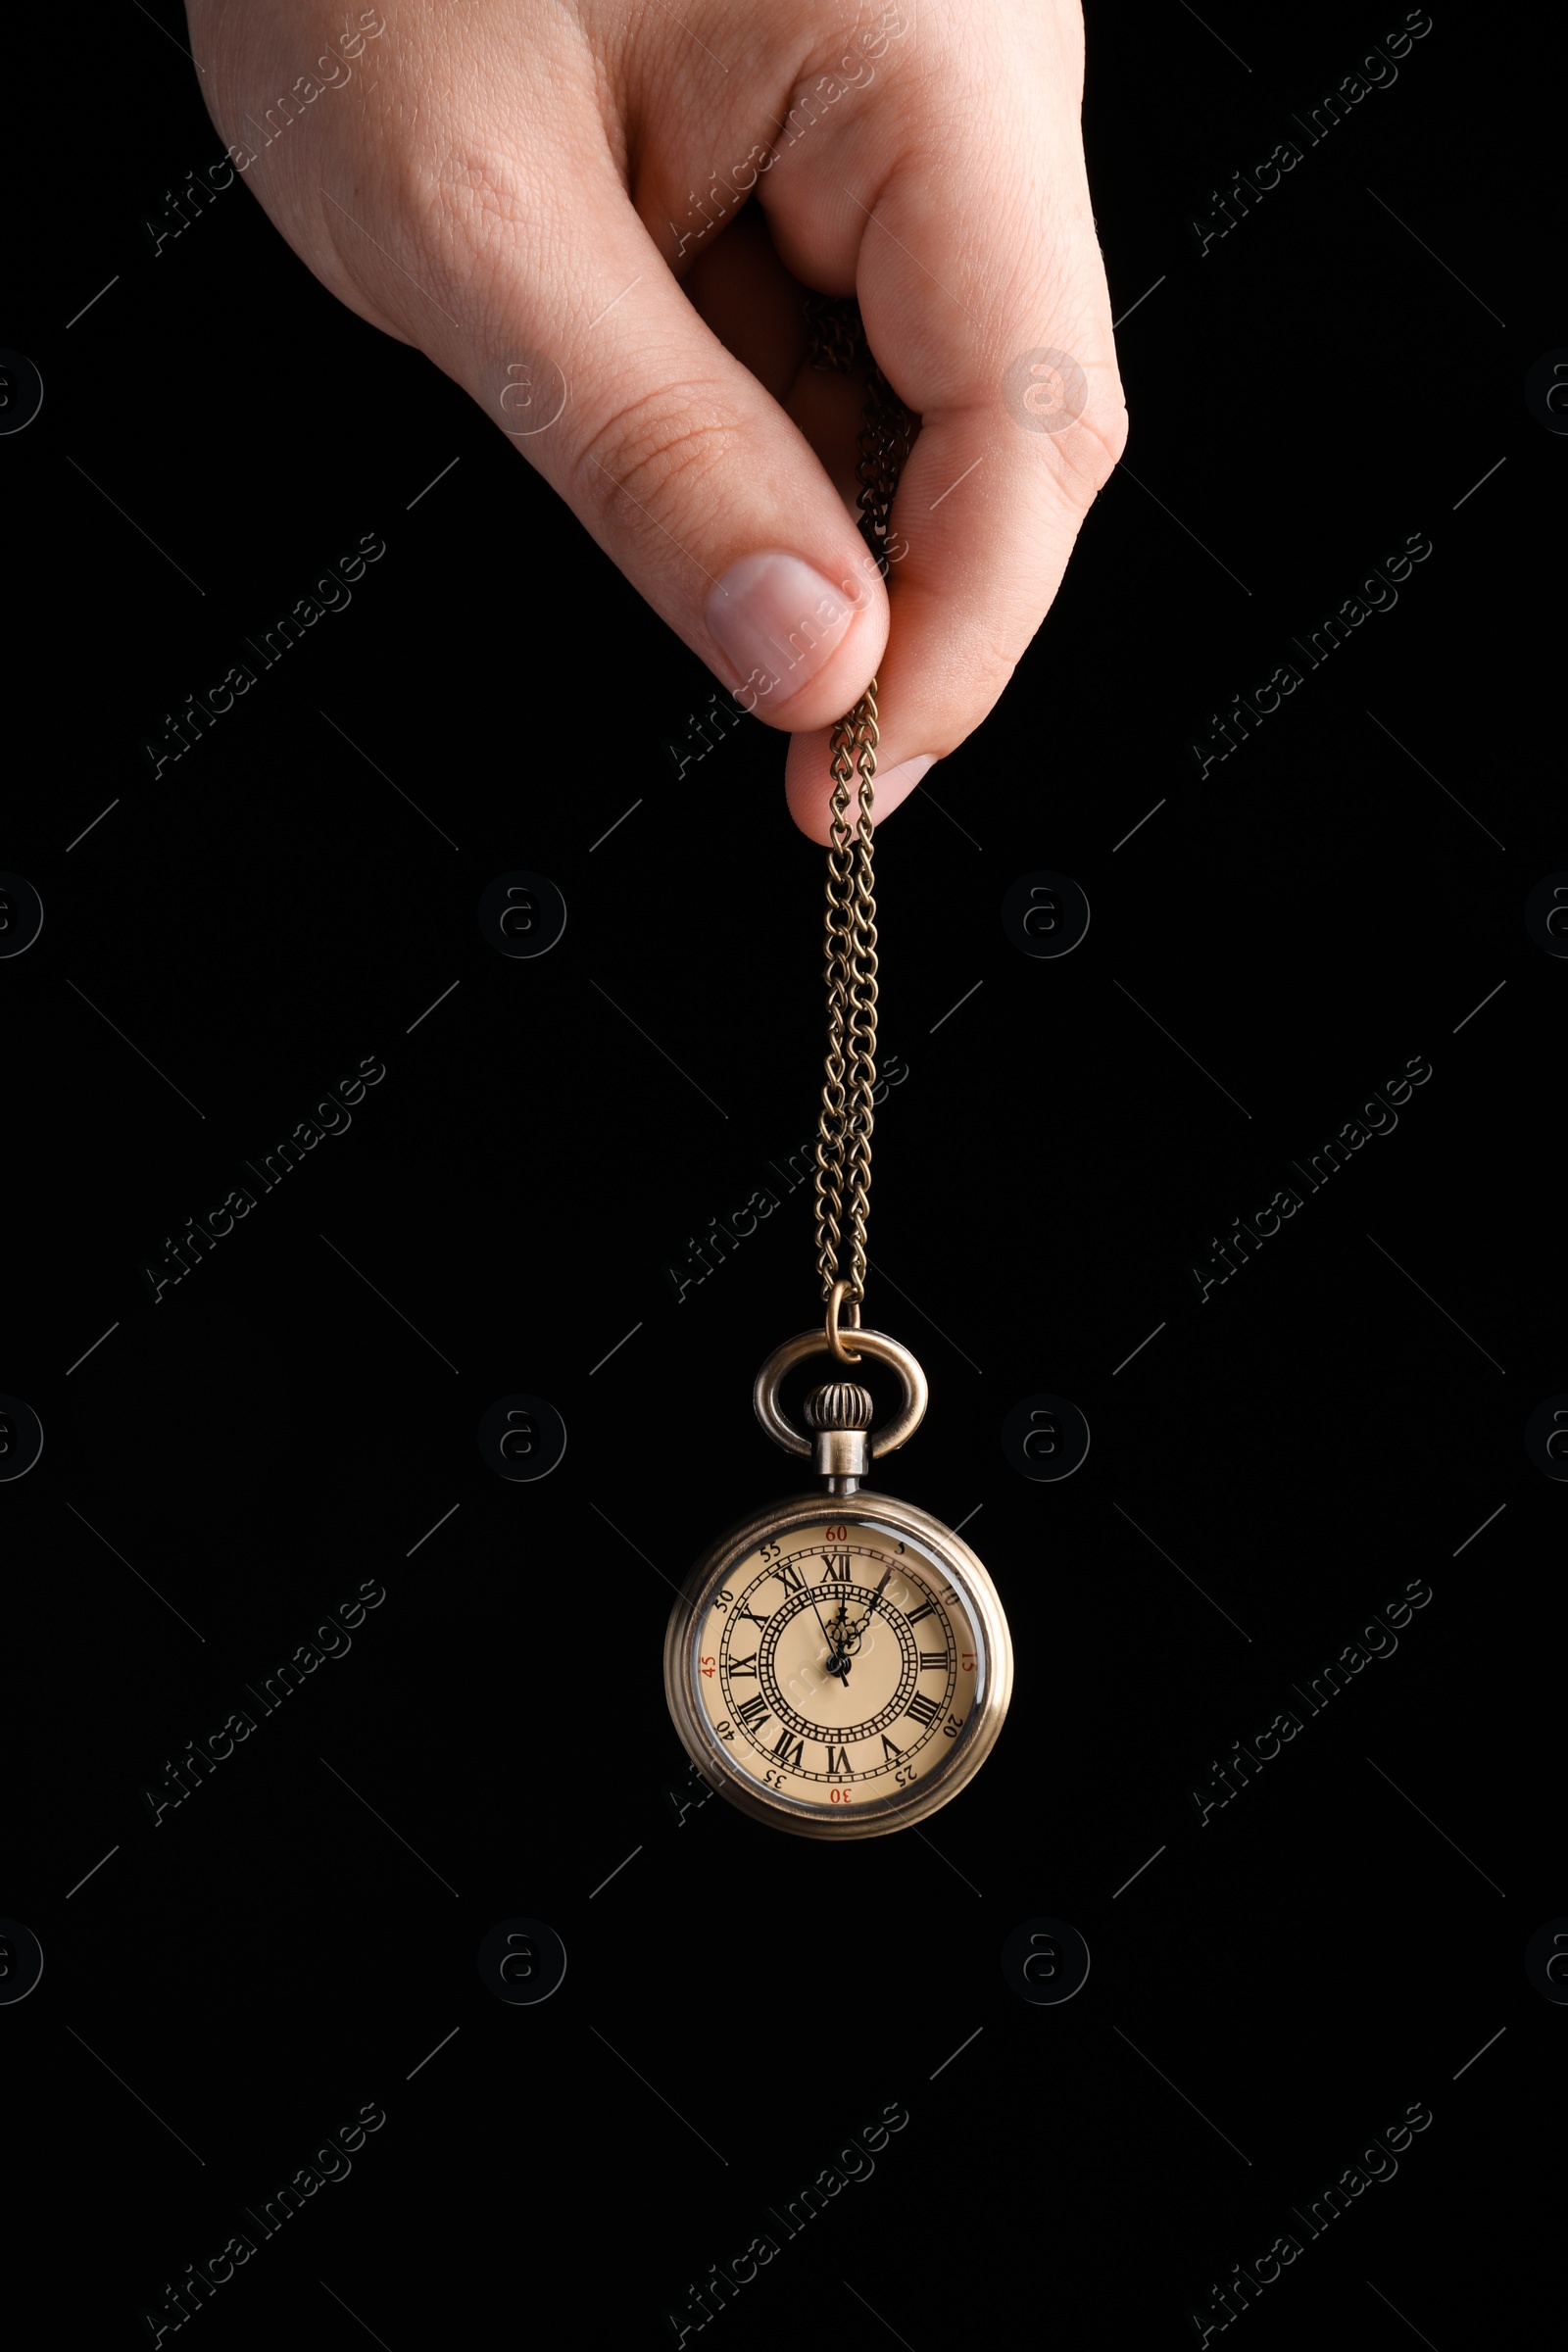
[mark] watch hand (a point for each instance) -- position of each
(841, 1639)
(837, 1662)
(870, 1610)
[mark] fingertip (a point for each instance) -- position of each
(805, 783)
(808, 785)
(802, 645)
(895, 784)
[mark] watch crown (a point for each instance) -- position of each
(839, 1404)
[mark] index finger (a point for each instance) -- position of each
(985, 302)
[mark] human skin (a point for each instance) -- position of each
(492, 178)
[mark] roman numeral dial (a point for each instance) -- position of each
(838, 1664)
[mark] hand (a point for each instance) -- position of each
(623, 208)
(837, 1662)
(870, 1606)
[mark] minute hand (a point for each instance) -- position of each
(870, 1606)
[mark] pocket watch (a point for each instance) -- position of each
(838, 1664)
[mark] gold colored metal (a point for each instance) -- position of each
(861, 1802)
(841, 1412)
(886, 1440)
(838, 344)
(842, 1457)
(904, 1523)
(845, 1121)
(835, 1304)
(839, 1404)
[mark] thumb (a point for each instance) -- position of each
(688, 473)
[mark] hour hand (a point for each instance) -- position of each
(837, 1662)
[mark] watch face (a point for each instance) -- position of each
(841, 1674)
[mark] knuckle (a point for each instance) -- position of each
(988, 664)
(1088, 451)
(1105, 420)
(466, 214)
(667, 443)
(426, 225)
(1065, 393)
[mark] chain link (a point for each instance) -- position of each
(844, 1125)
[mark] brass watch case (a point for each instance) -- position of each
(901, 1521)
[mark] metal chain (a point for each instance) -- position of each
(845, 1122)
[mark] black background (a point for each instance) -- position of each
(1278, 1985)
